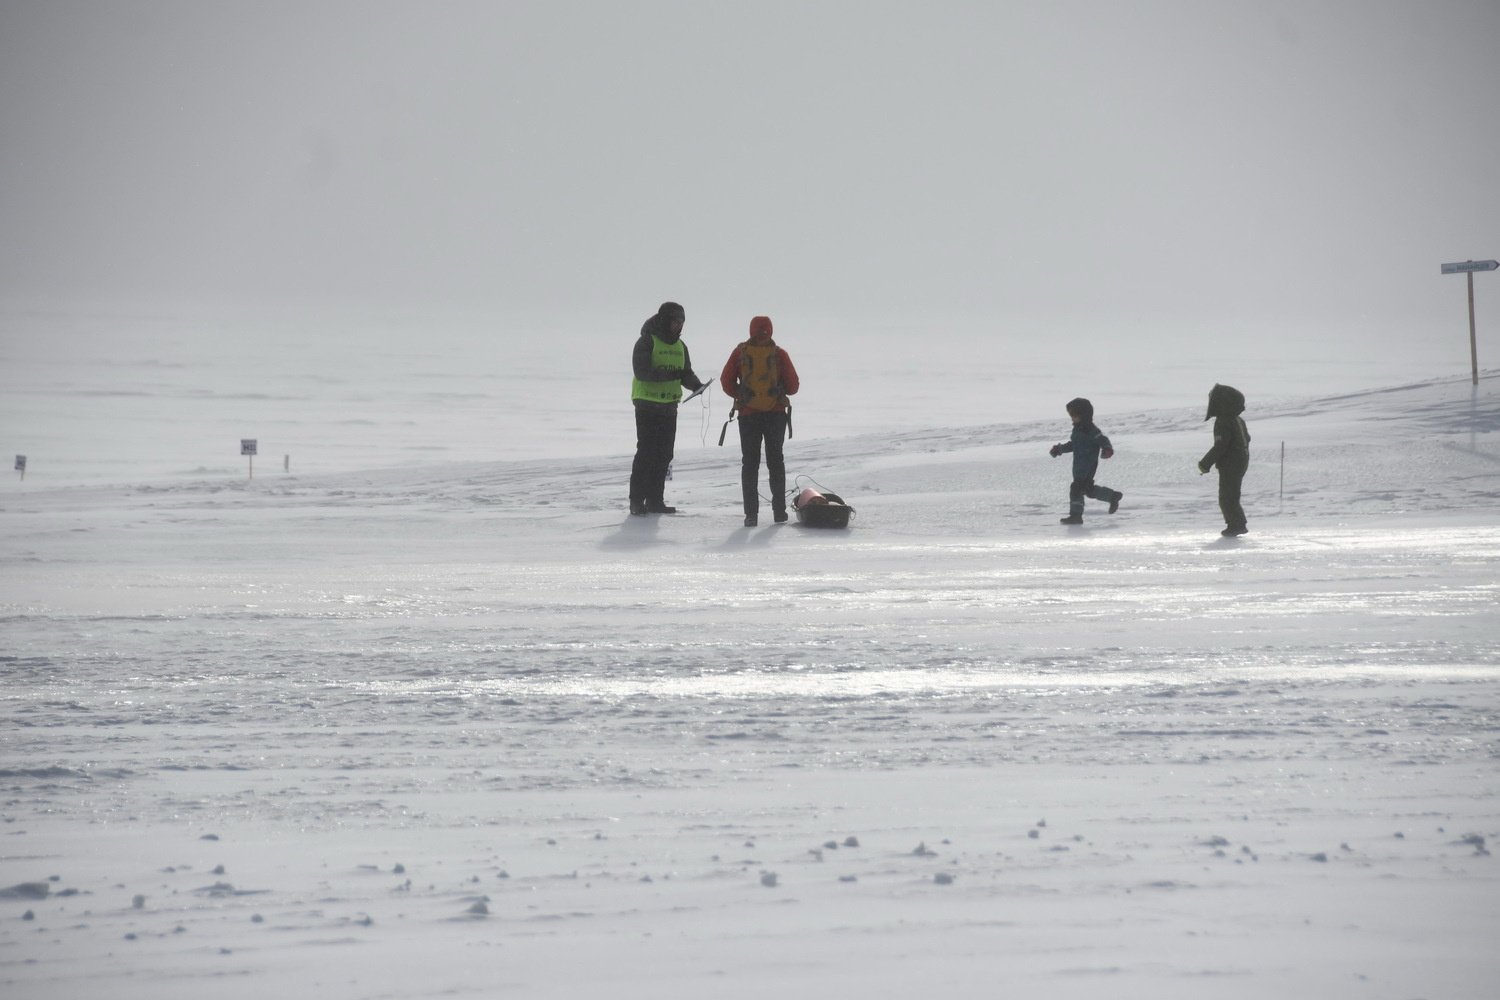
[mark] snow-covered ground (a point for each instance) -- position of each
(463, 728)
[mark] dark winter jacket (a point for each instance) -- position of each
(640, 358)
(1231, 448)
(1086, 442)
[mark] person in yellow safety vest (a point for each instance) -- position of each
(662, 367)
(759, 377)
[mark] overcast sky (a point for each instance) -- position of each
(1155, 163)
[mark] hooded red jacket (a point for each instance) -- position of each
(731, 378)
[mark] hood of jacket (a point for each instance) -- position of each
(1082, 409)
(1225, 401)
(660, 325)
(760, 330)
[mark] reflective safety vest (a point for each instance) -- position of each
(663, 355)
(760, 372)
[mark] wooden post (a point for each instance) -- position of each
(1473, 344)
(249, 446)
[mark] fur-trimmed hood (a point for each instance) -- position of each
(1225, 401)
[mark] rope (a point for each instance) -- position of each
(705, 418)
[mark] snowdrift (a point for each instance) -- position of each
(470, 729)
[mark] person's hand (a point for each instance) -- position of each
(1203, 468)
(1108, 453)
(743, 396)
(1055, 450)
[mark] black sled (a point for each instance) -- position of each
(821, 510)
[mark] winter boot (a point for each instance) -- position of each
(751, 520)
(778, 494)
(638, 508)
(1114, 503)
(1072, 519)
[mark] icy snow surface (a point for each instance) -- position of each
(467, 729)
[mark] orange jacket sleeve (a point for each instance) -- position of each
(729, 378)
(789, 381)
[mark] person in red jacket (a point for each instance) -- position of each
(759, 377)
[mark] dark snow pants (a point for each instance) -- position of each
(1231, 476)
(1085, 488)
(655, 439)
(771, 429)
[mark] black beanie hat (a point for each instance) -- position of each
(1081, 407)
(671, 310)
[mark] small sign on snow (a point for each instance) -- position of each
(20, 463)
(247, 446)
(1468, 268)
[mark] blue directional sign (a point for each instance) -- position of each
(1470, 266)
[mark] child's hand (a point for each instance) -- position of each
(1055, 450)
(1108, 453)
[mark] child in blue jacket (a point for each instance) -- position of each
(1088, 444)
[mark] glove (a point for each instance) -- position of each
(1055, 450)
(743, 396)
(1203, 468)
(1108, 453)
